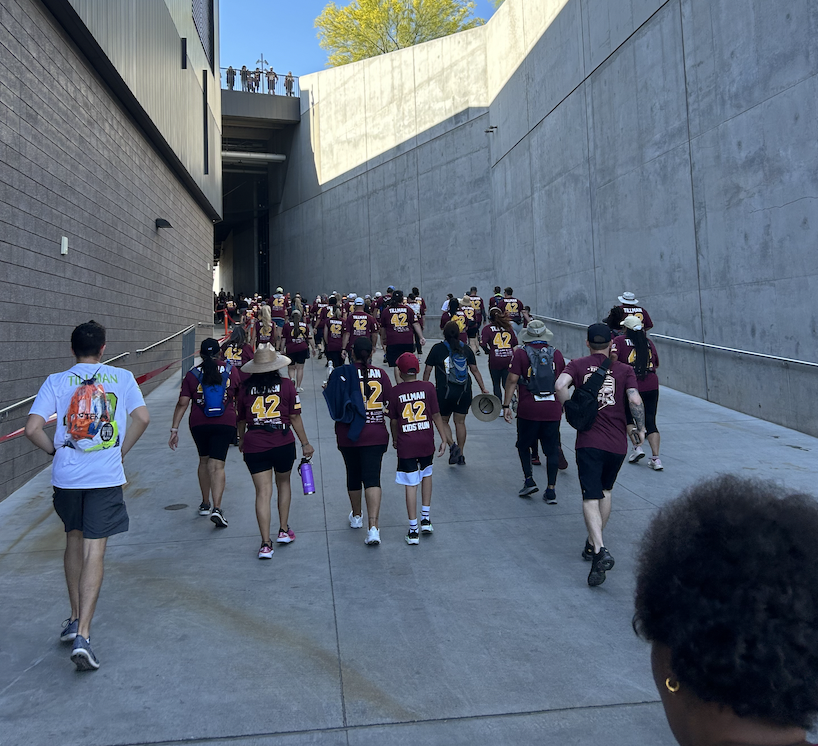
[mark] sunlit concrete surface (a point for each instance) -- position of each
(486, 633)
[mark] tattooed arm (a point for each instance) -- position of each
(637, 412)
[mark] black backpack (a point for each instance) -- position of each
(582, 407)
(541, 360)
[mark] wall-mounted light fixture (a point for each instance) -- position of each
(490, 130)
(162, 223)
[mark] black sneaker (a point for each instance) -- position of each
(454, 453)
(204, 509)
(601, 563)
(588, 552)
(426, 526)
(412, 537)
(218, 518)
(550, 496)
(82, 655)
(529, 488)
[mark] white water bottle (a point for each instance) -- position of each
(330, 368)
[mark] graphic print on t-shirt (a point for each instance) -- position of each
(607, 392)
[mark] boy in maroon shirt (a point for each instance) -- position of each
(601, 449)
(412, 408)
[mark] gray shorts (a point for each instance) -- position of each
(98, 513)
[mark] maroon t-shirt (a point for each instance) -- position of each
(270, 406)
(398, 322)
(501, 345)
(299, 343)
(462, 321)
(626, 352)
(513, 307)
(191, 388)
(540, 408)
(262, 337)
(359, 324)
(608, 432)
(640, 314)
(335, 329)
(238, 356)
(279, 307)
(413, 405)
(376, 395)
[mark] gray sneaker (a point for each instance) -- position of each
(82, 655)
(69, 630)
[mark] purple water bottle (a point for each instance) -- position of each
(307, 482)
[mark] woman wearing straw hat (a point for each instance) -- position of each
(269, 410)
(298, 345)
(538, 411)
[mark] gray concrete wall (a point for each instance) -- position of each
(669, 148)
(72, 163)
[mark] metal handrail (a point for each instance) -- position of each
(693, 342)
(166, 339)
(777, 358)
(5, 411)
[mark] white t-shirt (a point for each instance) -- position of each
(74, 469)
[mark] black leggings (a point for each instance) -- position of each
(548, 433)
(363, 466)
(498, 378)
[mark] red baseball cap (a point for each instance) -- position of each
(408, 363)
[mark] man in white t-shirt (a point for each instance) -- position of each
(87, 472)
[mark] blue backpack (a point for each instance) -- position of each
(457, 376)
(214, 395)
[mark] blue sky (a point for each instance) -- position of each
(281, 29)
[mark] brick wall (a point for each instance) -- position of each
(72, 163)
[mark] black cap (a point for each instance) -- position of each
(599, 333)
(210, 347)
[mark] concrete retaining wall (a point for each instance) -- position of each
(72, 163)
(669, 148)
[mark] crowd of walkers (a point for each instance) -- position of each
(726, 578)
(532, 385)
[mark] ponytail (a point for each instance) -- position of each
(640, 342)
(210, 371)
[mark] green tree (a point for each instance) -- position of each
(366, 28)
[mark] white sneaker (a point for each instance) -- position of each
(373, 537)
(356, 521)
(637, 454)
(655, 463)
(300, 389)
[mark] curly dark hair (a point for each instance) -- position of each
(727, 579)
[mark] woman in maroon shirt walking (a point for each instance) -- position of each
(269, 410)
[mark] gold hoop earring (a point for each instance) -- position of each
(672, 688)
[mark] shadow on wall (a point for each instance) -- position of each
(618, 162)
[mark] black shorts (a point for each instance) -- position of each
(393, 352)
(598, 470)
(98, 513)
(363, 465)
(279, 459)
(213, 441)
(651, 401)
(455, 406)
(299, 358)
(473, 331)
(411, 471)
